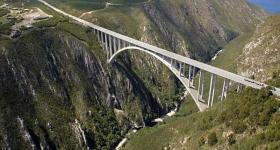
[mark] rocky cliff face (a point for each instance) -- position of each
(205, 25)
(194, 28)
(57, 92)
(261, 56)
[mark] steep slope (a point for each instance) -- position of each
(205, 25)
(261, 56)
(247, 120)
(57, 91)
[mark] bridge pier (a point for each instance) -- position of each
(110, 46)
(114, 45)
(239, 87)
(182, 69)
(119, 44)
(190, 74)
(200, 86)
(225, 89)
(102, 40)
(212, 90)
(106, 46)
(98, 35)
(193, 75)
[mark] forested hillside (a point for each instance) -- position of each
(247, 120)
(58, 92)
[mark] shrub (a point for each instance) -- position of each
(5, 28)
(238, 126)
(201, 141)
(3, 12)
(212, 139)
(231, 139)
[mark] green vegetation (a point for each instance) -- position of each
(4, 24)
(58, 49)
(5, 28)
(246, 120)
(275, 81)
(54, 111)
(81, 89)
(3, 12)
(212, 139)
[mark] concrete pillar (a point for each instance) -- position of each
(119, 44)
(124, 43)
(106, 42)
(171, 63)
(239, 87)
(110, 45)
(106, 46)
(193, 75)
(180, 70)
(114, 44)
(184, 70)
(98, 38)
(223, 90)
(199, 85)
(175, 64)
(227, 88)
(202, 85)
(212, 90)
(190, 74)
(102, 40)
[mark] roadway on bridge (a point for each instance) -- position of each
(202, 66)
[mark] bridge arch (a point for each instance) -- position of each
(183, 80)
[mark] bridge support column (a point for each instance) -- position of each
(110, 45)
(175, 64)
(94, 31)
(193, 75)
(171, 63)
(184, 70)
(181, 69)
(115, 45)
(212, 90)
(102, 40)
(106, 46)
(98, 37)
(200, 86)
(119, 44)
(239, 87)
(190, 74)
(225, 89)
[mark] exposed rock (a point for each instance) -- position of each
(261, 55)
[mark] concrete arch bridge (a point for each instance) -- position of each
(184, 68)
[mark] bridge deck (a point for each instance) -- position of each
(158, 52)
